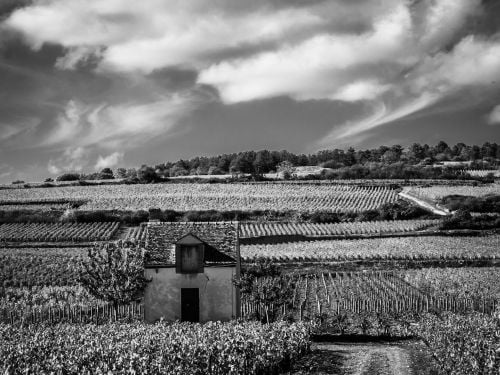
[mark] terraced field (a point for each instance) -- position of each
(40, 266)
(222, 197)
(58, 232)
(392, 292)
(249, 230)
(434, 193)
(429, 247)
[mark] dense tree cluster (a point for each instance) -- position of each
(415, 161)
(265, 161)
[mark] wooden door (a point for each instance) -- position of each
(190, 305)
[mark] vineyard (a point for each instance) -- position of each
(461, 282)
(44, 296)
(435, 193)
(39, 266)
(57, 232)
(221, 197)
(482, 172)
(249, 230)
(463, 344)
(405, 248)
(162, 348)
(136, 233)
(42, 203)
(331, 293)
(34, 207)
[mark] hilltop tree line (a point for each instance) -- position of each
(415, 161)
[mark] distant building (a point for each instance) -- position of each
(191, 266)
(452, 164)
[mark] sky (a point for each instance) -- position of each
(90, 84)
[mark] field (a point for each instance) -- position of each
(249, 230)
(390, 292)
(435, 193)
(16, 298)
(34, 206)
(58, 232)
(429, 247)
(457, 282)
(39, 266)
(163, 348)
(222, 197)
(40, 284)
(482, 172)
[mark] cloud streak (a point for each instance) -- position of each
(494, 116)
(109, 161)
(395, 57)
(121, 125)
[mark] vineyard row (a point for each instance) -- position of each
(55, 232)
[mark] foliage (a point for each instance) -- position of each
(463, 344)
(106, 174)
(286, 169)
(462, 219)
(415, 161)
(114, 272)
(264, 284)
(486, 203)
(68, 177)
(26, 214)
(178, 348)
(147, 174)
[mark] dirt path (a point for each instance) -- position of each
(366, 359)
(425, 205)
(386, 360)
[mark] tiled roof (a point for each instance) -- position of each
(220, 237)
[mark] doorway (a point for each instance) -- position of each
(190, 305)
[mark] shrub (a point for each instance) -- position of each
(68, 177)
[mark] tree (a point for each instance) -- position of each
(121, 173)
(263, 162)
(69, 177)
(106, 174)
(114, 272)
(242, 164)
(286, 169)
(131, 173)
(178, 170)
(147, 174)
(264, 284)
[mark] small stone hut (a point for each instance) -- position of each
(192, 266)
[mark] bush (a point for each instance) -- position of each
(68, 177)
(488, 203)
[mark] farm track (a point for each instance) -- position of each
(365, 359)
(422, 203)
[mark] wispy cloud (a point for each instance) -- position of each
(494, 116)
(397, 57)
(121, 125)
(71, 160)
(109, 161)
